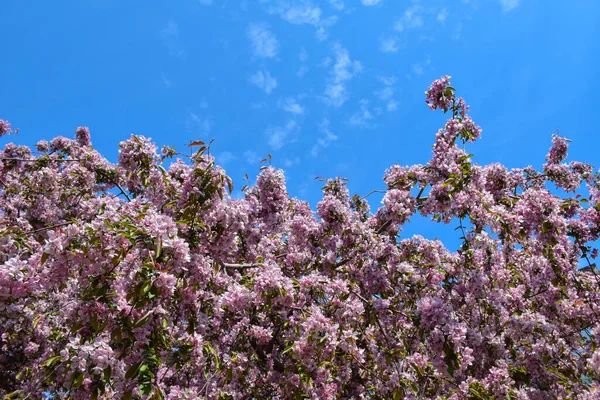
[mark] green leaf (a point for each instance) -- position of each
(107, 373)
(51, 361)
(133, 371)
(13, 395)
(44, 258)
(145, 288)
(398, 394)
(143, 319)
(77, 379)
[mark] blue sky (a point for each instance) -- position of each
(329, 87)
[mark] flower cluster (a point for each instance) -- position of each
(138, 280)
(438, 95)
(4, 127)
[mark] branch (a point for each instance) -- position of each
(114, 183)
(371, 192)
(384, 226)
(49, 227)
(240, 266)
(39, 158)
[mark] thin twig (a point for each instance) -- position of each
(371, 192)
(240, 266)
(40, 158)
(49, 227)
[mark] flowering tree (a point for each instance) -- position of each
(139, 281)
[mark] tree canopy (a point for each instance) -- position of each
(147, 279)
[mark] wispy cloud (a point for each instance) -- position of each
(369, 3)
(264, 81)
(342, 71)
(327, 137)
(411, 19)
(362, 118)
(290, 162)
(386, 94)
(303, 57)
(299, 12)
(225, 157)
(264, 43)
(337, 4)
(291, 105)
(279, 136)
(389, 44)
(198, 124)
(457, 31)
(442, 15)
(169, 36)
(251, 157)
(388, 80)
(417, 69)
(509, 5)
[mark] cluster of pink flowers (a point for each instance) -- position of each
(4, 127)
(148, 280)
(437, 96)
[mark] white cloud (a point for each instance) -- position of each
(369, 3)
(264, 81)
(336, 94)
(225, 157)
(279, 136)
(343, 70)
(419, 68)
(169, 36)
(363, 117)
(337, 4)
(388, 44)
(303, 57)
(198, 124)
(457, 31)
(291, 105)
(299, 12)
(299, 15)
(302, 71)
(386, 94)
(411, 19)
(326, 138)
(264, 43)
(291, 162)
(251, 157)
(508, 5)
(388, 80)
(442, 15)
